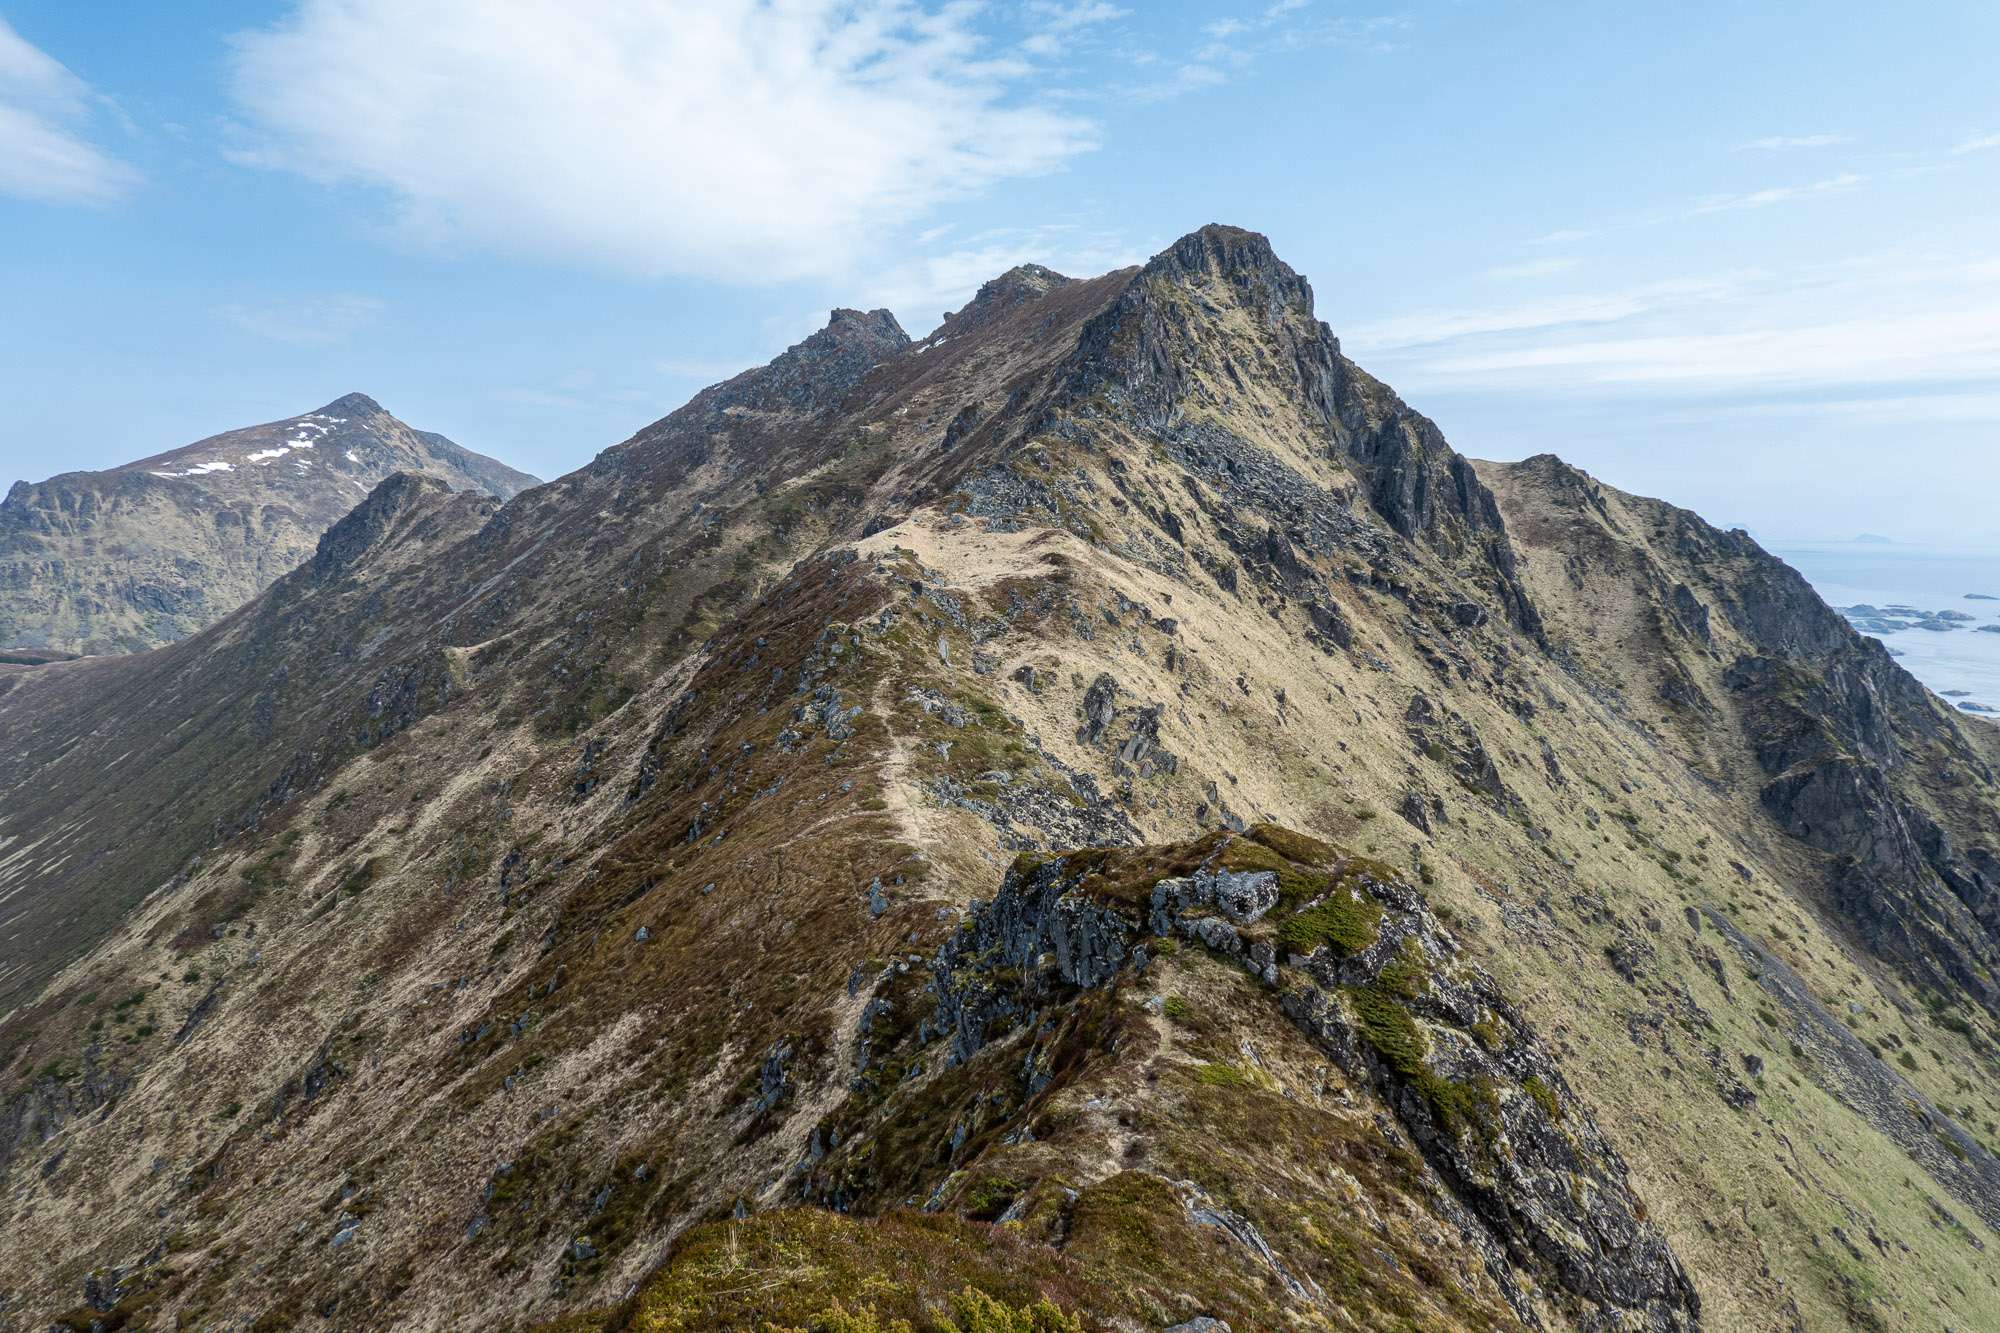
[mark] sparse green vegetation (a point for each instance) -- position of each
(1217, 1074)
(1346, 923)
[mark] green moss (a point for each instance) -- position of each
(1543, 1095)
(1346, 923)
(1400, 1044)
(1390, 1031)
(989, 1197)
(1222, 1075)
(1408, 975)
(973, 1311)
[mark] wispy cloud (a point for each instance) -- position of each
(1942, 407)
(1710, 204)
(1551, 267)
(1730, 203)
(752, 142)
(1927, 325)
(45, 112)
(1789, 143)
(1058, 25)
(1978, 144)
(1230, 45)
(310, 321)
(1951, 344)
(1425, 328)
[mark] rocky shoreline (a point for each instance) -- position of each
(1897, 618)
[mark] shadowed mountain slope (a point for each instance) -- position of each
(137, 556)
(1097, 815)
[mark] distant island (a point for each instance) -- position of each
(1874, 539)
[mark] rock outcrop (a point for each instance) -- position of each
(1372, 978)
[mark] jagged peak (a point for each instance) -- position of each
(846, 325)
(1237, 255)
(816, 372)
(1154, 361)
(1019, 284)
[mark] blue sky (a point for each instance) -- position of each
(1742, 256)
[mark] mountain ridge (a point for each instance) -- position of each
(1098, 789)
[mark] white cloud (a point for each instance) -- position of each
(310, 321)
(1787, 143)
(742, 139)
(44, 110)
(1976, 145)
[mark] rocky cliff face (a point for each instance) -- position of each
(137, 556)
(1097, 818)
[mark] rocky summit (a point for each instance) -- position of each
(1099, 818)
(140, 555)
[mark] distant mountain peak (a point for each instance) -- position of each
(351, 404)
(141, 554)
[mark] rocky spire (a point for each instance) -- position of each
(815, 374)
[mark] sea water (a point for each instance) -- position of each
(1928, 578)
